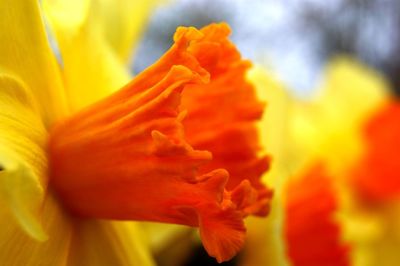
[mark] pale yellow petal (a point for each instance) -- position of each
(25, 52)
(384, 250)
(18, 249)
(171, 244)
(265, 243)
(349, 83)
(123, 22)
(328, 127)
(23, 159)
(91, 69)
(273, 126)
(372, 231)
(104, 243)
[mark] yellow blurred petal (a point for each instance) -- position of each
(25, 52)
(23, 159)
(171, 244)
(91, 69)
(372, 231)
(265, 243)
(322, 128)
(123, 22)
(107, 243)
(70, 15)
(273, 126)
(385, 249)
(17, 249)
(351, 84)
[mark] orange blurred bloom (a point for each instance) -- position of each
(127, 157)
(377, 175)
(312, 235)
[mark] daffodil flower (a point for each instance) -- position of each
(356, 142)
(137, 154)
(327, 157)
(374, 181)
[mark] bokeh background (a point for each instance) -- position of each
(293, 38)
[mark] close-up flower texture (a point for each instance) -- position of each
(199, 132)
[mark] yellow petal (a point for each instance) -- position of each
(99, 243)
(16, 248)
(351, 84)
(265, 243)
(91, 69)
(273, 126)
(23, 160)
(334, 118)
(171, 244)
(385, 249)
(372, 231)
(25, 52)
(123, 22)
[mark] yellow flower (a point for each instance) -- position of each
(332, 130)
(316, 219)
(125, 156)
